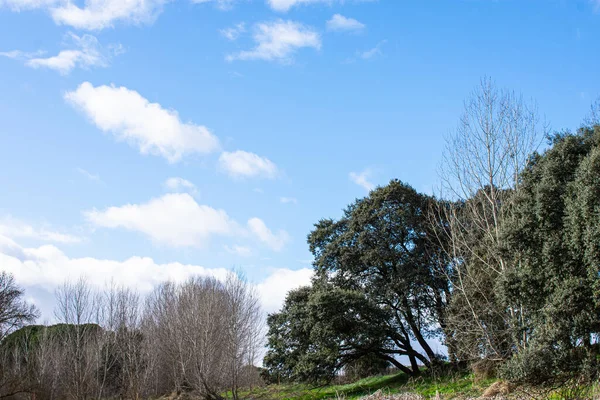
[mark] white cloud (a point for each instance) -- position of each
(87, 54)
(340, 23)
(232, 33)
(22, 5)
(132, 118)
(362, 179)
(15, 228)
(222, 4)
(278, 41)
(242, 251)
(48, 267)
(175, 219)
(276, 286)
(177, 184)
(288, 200)
(89, 175)
(100, 14)
(372, 52)
(21, 55)
(285, 5)
(275, 241)
(242, 164)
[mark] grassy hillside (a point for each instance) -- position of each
(460, 386)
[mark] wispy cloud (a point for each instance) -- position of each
(21, 55)
(278, 41)
(89, 175)
(286, 5)
(362, 179)
(177, 184)
(276, 241)
(233, 32)
(365, 55)
(14, 228)
(243, 164)
(221, 4)
(288, 200)
(84, 52)
(339, 23)
(242, 251)
(22, 5)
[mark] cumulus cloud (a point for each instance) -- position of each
(275, 241)
(339, 23)
(233, 32)
(48, 267)
(177, 184)
(100, 14)
(278, 41)
(175, 219)
(276, 286)
(148, 126)
(362, 179)
(14, 228)
(242, 164)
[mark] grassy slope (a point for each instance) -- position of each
(459, 386)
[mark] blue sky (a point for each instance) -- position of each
(153, 142)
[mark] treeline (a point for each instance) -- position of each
(201, 336)
(502, 266)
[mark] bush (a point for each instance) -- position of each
(485, 369)
(544, 365)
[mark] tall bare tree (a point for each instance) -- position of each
(77, 308)
(482, 161)
(15, 312)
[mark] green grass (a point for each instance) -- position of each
(448, 387)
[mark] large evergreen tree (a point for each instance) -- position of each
(553, 244)
(380, 290)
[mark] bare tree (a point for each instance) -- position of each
(243, 327)
(593, 117)
(77, 308)
(14, 310)
(204, 334)
(481, 165)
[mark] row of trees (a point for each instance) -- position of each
(502, 266)
(202, 336)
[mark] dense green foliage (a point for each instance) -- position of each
(553, 281)
(385, 283)
(380, 291)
